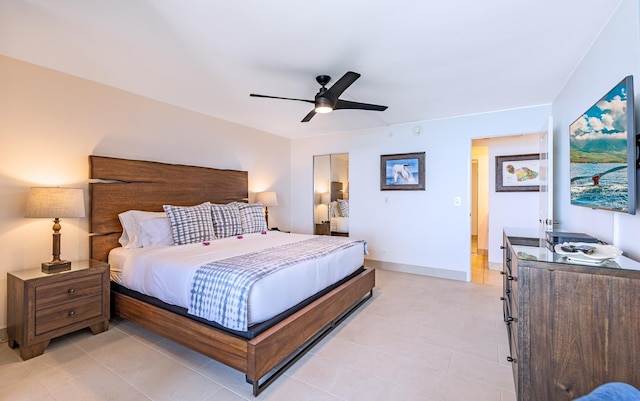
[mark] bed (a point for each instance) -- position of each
(270, 346)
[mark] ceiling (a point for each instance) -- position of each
(424, 59)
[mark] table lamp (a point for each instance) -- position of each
(55, 203)
(267, 199)
(325, 199)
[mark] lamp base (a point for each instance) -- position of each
(54, 267)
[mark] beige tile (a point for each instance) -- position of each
(456, 388)
(419, 338)
(351, 384)
(232, 379)
(226, 395)
(92, 381)
(292, 389)
(181, 354)
(476, 369)
(165, 379)
(508, 396)
(26, 389)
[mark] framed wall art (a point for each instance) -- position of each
(518, 173)
(403, 171)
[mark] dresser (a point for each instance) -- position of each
(572, 326)
(43, 306)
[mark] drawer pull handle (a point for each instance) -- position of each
(503, 298)
(511, 278)
(501, 246)
(72, 313)
(511, 359)
(71, 291)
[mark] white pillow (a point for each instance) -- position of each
(156, 232)
(131, 229)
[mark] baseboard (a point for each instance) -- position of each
(420, 270)
(4, 337)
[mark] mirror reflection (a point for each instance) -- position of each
(331, 194)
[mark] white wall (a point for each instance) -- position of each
(52, 122)
(415, 231)
(614, 55)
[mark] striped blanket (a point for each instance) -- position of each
(220, 289)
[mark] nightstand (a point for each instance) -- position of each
(43, 306)
(322, 229)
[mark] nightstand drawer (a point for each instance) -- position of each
(69, 290)
(68, 313)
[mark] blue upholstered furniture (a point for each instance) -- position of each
(612, 392)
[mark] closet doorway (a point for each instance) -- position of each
(479, 213)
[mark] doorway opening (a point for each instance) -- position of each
(479, 214)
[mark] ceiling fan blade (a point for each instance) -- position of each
(345, 104)
(309, 116)
(341, 85)
(283, 98)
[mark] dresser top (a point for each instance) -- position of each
(540, 254)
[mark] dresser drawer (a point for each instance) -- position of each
(66, 291)
(67, 313)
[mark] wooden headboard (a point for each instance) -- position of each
(146, 185)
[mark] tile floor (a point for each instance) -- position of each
(419, 338)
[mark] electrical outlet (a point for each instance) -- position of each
(457, 201)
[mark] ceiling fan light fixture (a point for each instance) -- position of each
(323, 105)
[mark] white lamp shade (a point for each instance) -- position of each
(55, 202)
(325, 198)
(267, 199)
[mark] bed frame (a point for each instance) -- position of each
(118, 185)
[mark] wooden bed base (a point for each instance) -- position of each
(146, 186)
(267, 354)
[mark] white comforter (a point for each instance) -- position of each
(166, 271)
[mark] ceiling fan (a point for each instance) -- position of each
(326, 100)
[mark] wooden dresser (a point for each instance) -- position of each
(571, 326)
(43, 306)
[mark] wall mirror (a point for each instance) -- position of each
(331, 194)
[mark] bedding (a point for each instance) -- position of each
(166, 272)
(339, 216)
(339, 225)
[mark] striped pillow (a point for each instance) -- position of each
(344, 207)
(252, 217)
(190, 224)
(226, 220)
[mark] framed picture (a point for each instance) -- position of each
(404, 171)
(519, 173)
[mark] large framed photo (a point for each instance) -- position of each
(403, 171)
(519, 173)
